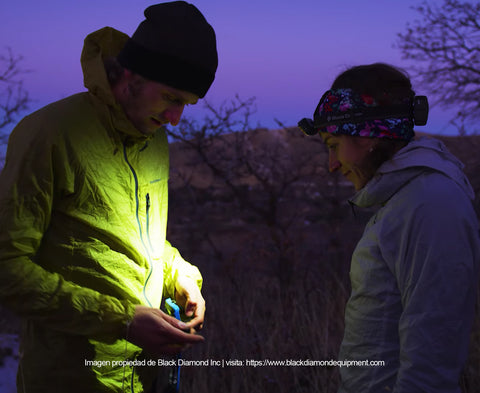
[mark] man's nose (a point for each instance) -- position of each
(174, 113)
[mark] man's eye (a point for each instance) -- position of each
(171, 99)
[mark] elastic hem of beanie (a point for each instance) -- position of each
(169, 70)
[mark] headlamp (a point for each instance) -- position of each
(416, 110)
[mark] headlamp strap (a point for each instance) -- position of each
(365, 114)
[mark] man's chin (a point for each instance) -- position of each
(157, 123)
(150, 128)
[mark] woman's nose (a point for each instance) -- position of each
(333, 163)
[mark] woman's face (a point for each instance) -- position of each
(349, 154)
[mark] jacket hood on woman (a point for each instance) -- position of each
(425, 153)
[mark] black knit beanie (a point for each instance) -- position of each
(175, 46)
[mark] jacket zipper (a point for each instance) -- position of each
(137, 207)
(147, 197)
(148, 221)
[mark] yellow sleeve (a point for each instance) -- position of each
(174, 266)
(27, 194)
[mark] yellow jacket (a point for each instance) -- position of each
(83, 214)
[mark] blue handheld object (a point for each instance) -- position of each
(172, 308)
(174, 376)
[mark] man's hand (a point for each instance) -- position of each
(188, 296)
(158, 333)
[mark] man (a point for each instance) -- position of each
(83, 210)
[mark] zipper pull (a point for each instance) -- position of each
(148, 201)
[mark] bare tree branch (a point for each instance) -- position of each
(13, 97)
(260, 172)
(445, 46)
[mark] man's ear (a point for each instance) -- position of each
(120, 89)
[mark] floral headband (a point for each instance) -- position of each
(344, 111)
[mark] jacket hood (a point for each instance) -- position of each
(414, 159)
(100, 45)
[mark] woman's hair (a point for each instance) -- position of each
(388, 85)
(385, 83)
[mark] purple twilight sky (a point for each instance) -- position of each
(285, 53)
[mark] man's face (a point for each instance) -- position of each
(149, 104)
(350, 155)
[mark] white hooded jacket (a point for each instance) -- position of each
(414, 276)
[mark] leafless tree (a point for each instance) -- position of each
(14, 99)
(445, 47)
(265, 182)
(260, 199)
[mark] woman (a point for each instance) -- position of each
(414, 272)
